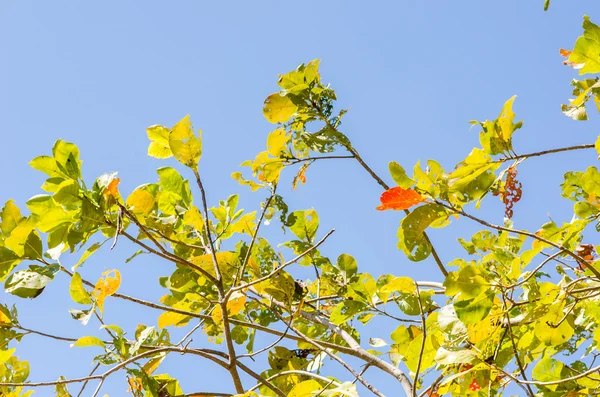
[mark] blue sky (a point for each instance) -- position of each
(412, 73)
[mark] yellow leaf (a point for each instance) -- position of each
(246, 224)
(217, 314)
(548, 330)
(228, 262)
(6, 354)
(106, 286)
(85, 341)
(184, 144)
(153, 364)
(4, 319)
(167, 319)
(192, 217)
(235, 304)
(305, 389)
(276, 142)
(267, 167)
(141, 202)
(278, 108)
(159, 147)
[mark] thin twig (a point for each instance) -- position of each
(521, 232)
(283, 266)
(543, 152)
(422, 350)
(239, 387)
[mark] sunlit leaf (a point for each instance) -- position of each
(398, 198)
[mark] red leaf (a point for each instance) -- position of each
(113, 188)
(398, 198)
(564, 53)
(474, 386)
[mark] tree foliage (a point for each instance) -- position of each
(518, 311)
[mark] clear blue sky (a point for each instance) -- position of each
(412, 72)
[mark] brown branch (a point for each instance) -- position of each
(515, 350)
(422, 350)
(355, 348)
(299, 372)
(380, 181)
(240, 274)
(521, 232)
(239, 387)
(544, 152)
(115, 368)
(280, 268)
(370, 387)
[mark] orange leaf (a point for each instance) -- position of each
(564, 53)
(398, 198)
(106, 286)
(113, 188)
(474, 386)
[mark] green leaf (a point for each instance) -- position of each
(597, 146)
(471, 311)
(547, 370)
(496, 135)
(61, 389)
(39, 204)
(467, 281)
(66, 155)
(49, 166)
(399, 175)
(590, 181)
(88, 252)
(8, 261)
(55, 217)
(30, 283)
(19, 236)
(346, 310)
(186, 147)
(67, 193)
(159, 145)
(11, 215)
(586, 53)
(77, 291)
(304, 224)
(88, 341)
(33, 248)
(278, 108)
(348, 267)
(411, 238)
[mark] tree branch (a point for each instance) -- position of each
(222, 296)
